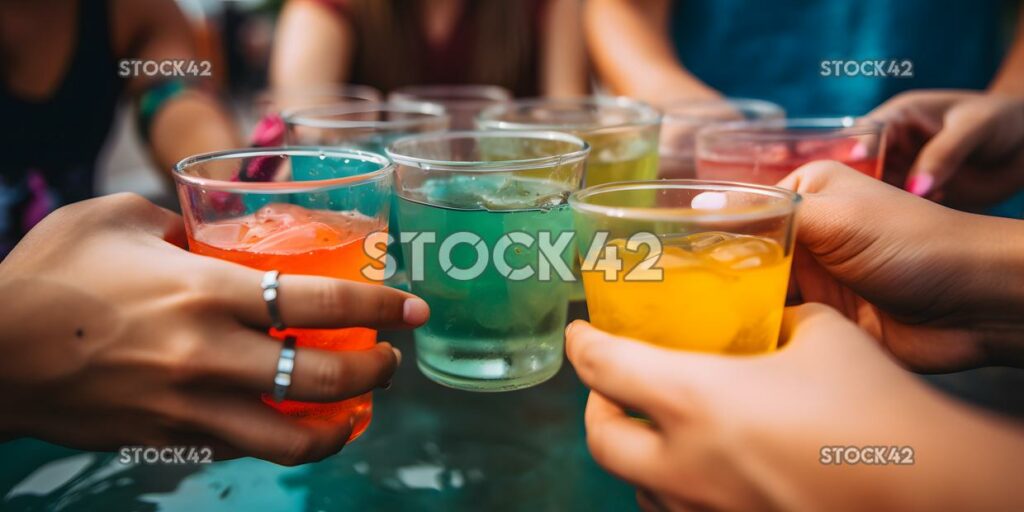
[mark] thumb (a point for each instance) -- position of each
(964, 129)
(818, 332)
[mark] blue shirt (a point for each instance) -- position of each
(774, 49)
(787, 51)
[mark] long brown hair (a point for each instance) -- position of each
(389, 48)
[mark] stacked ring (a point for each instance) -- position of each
(286, 361)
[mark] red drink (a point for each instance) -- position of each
(767, 165)
(765, 152)
(295, 240)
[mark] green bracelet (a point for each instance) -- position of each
(151, 101)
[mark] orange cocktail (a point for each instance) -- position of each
(687, 264)
(296, 226)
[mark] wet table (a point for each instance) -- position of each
(428, 448)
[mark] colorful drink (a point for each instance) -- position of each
(704, 265)
(497, 317)
(294, 240)
(719, 293)
(765, 152)
(311, 218)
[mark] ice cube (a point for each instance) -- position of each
(742, 252)
(677, 257)
(297, 239)
(225, 234)
(700, 242)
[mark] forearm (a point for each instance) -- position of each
(631, 50)
(997, 286)
(189, 124)
(981, 455)
(564, 56)
(1010, 78)
(313, 46)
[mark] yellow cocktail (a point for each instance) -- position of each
(687, 264)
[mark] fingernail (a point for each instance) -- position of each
(398, 354)
(920, 185)
(859, 151)
(570, 327)
(415, 311)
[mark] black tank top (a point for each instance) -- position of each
(49, 147)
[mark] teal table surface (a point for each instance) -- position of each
(428, 448)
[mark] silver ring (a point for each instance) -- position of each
(269, 286)
(285, 365)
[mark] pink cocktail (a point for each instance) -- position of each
(764, 152)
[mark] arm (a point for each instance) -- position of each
(189, 123)
(563, 70)
(313, 45)
(631, 48)
(1010, 78)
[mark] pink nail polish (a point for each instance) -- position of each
(920, 185)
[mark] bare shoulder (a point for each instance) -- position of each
(135, 23)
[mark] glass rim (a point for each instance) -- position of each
(324, 89)
(308, 116)
(791, 199)
(396, 155)
(278, 187)
(761, 107)
(488, 118)
(459, 92)
(775, 130)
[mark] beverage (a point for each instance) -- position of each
(500, 326)
(294, 240)
(607, 164)
(720, 293)
(687, 264)
(766, 152)
(311, 217)
(489, 332)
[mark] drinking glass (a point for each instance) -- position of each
(496, 267)
(764, 152)
(622, 133)
(681, 120)
(310, 213)
(274, 101)
(368, 126)
(687, 264)
(463, 102)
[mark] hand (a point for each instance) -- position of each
(963, 148)
(748, 433)
(112, 335)
(942, 289)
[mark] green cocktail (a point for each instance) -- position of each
(488, 244)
